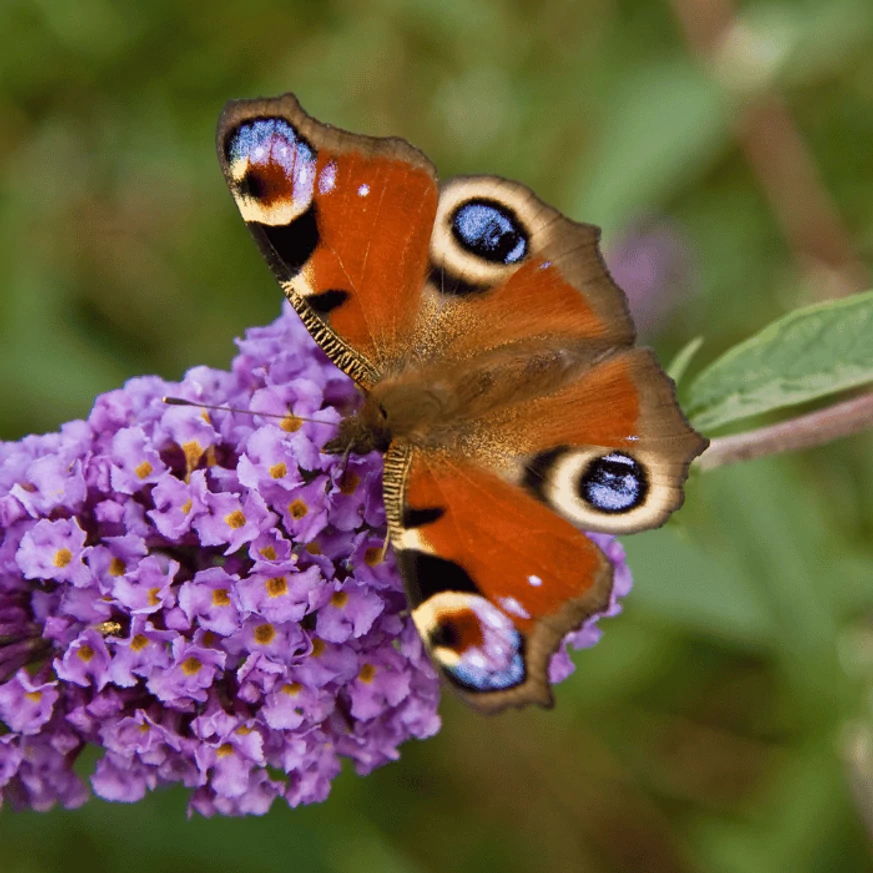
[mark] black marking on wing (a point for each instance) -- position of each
(445, 634)
(326, 301)
(293, 243)
(413, 518)
(426, 575)
(537, 469)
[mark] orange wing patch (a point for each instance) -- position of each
(600, 408)
(502, 558)
(609, 451)
(536, 301)
(484, 561)
(374, 223)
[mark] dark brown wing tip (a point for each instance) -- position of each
(289, 106)
(496, 702)
(542, 644)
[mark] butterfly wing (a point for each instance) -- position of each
(535, 340)
(609, 449)
(555, 423)
(507, 269)
(343, 220)
(495, 578)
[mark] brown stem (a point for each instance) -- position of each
(803, 432)
(782, 163)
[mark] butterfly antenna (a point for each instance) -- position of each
(180, 401)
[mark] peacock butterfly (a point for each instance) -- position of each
(497, 362)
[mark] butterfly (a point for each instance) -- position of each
(499, 375)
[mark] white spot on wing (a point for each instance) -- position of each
(535, 581)
(511, 605)
(493, 619)
(327, 178)
(364, 190)
(304, 181)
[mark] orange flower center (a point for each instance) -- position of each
(235, 520)
(220, 597)
(277, 586)
(264, 634)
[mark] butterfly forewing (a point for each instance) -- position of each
(343, 220)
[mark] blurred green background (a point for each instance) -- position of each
(724, 721)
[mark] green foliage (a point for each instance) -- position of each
(704, 732)
(809, 353)
(683, 358)
(667, 123)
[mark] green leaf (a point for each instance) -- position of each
(679, 364)
(810, 353)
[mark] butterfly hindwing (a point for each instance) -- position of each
(343, 220)
(609, 449)
(495, 579)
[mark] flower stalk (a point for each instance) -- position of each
(805, 431)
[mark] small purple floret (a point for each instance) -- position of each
(203, 596)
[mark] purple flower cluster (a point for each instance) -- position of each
(204, 595)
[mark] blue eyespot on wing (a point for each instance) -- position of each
(273, 168)
(490, 230)
(475, 643)
(614, 483)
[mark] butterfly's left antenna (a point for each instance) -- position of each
(180, 401)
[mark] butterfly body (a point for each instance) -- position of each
(496, 361)
(437, 407)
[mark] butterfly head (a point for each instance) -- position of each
(364, 432)
(408, 407)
